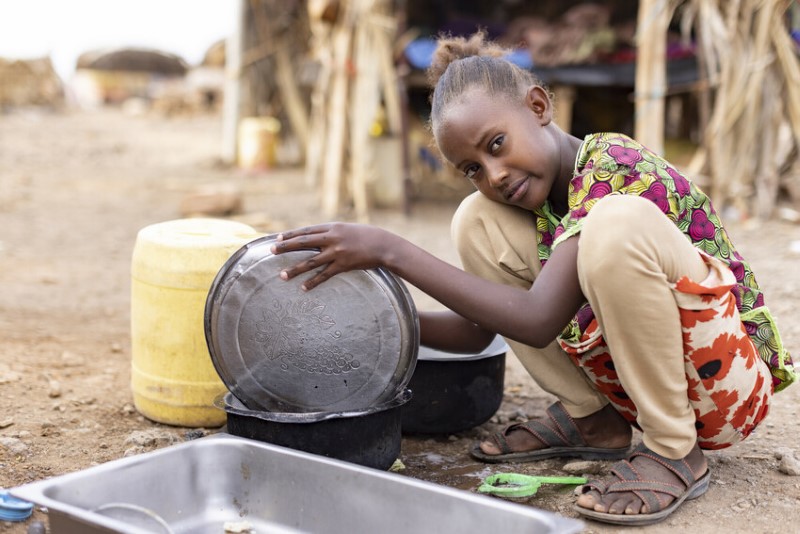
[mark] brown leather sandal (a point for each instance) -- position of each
(629, 480)
(562, 438)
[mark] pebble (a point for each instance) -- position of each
(69, 359)
(49, 430)
(195, 433)
(54, 389)
(789, 465)
(14, 445)
(583, 467)
(5, 423)
(780, 452)
(239, 527)
(744, 504)
(150, 438)
(7, 375)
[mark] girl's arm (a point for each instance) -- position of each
(449, 332)
(534, 317)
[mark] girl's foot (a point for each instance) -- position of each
(645, 488)
(605, 429)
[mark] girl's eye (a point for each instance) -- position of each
(496, 143)
(470, 171)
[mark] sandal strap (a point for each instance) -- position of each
(680, 468)
(543, 433)
(636, 486)
(563, 433)
(565, 424)
(629, 479)
(499, 439)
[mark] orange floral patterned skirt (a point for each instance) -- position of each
(730, 386)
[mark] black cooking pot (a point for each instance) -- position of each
(369, 437)
(455, 392)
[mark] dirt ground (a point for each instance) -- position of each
(74, 190)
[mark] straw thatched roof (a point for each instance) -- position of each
(31, 82)
(133, 60)
(215, 55)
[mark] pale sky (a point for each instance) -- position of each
(64, 29)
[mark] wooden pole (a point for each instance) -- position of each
(290, 93)
(363, 106)
(231, 112)
(337, 110)
(564, 96)
(321, 32)
(651, 73)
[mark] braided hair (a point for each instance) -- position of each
(460, 64)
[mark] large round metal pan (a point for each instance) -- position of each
(348, 344)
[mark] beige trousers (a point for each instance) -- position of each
(625, 276)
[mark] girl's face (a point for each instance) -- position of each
(503, 146)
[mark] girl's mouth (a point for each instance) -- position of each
(515, 192)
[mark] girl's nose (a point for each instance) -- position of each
(496, 174)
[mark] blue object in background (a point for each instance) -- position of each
(419, 53)
(13, 509)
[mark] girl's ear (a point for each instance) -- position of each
(538, 101)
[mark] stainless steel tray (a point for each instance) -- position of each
(199, 486)
(348, 344)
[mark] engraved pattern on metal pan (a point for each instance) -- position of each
(348, 344)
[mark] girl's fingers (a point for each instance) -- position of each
(314, 281)
(287, 244)
(302, 233)
(320, 238)
(319, 278)
(303, 267)
(289, 241)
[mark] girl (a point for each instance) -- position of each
(607, 270)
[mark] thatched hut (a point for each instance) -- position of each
(116, 75)
(29, 82)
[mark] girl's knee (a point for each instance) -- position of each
(612, 230)
(616, 216)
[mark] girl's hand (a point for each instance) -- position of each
(342, 247)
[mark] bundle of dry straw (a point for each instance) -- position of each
(753, 134)
(353, 42)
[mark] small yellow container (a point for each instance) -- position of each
(258, 140)
(174, 263)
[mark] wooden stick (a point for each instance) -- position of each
(335, 146)
(564, 96)
(363, 108)
(651, 73)
(290, 93)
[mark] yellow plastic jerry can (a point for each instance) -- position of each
(174, 264)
